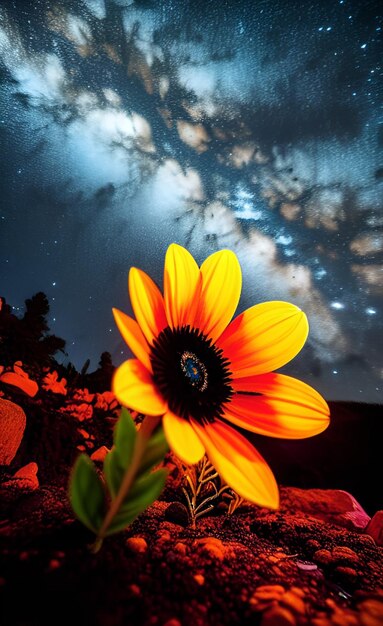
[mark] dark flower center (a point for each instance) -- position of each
(191, 373)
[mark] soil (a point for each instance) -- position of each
(281, 568)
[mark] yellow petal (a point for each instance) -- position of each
(264, 338)
(133, 387)
(221, 290)
(182, 285)
(288, 407)
(133, 336)
(182, 439)
(239, 463)
(147, 303)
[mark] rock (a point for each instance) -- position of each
(345, 555)
(137, 545)
(329, 505)
(278, 616)
(177, 513)
(27, 476)
(212, 547)
(375, 528)
(371, 612)
(199, 578)
(324, 557)
(100, 454)
(12, 426)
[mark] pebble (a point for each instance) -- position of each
(212, 546)
(375, 528)
(180, 548)
(135, 590)
(292, 599)
(347, 572)
(278, 616)
(323, 556)
(173, 622)
(12, 426)
(343, 553)
(136, 545)
(100, 454)
(199, 578)
(177, 513)
(27, 476)
(371, 612)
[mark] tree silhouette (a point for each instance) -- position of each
(28, 339)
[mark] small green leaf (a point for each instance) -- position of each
(125, 435)
(113, 472)
(143, 493)
(86, 493)
(155, 451)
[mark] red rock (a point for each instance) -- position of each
(100, 454)
(375, 528)
(27, 476)
(333, 506)
(12, 426)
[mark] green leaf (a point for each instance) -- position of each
(155, 451)
(125, 435)
(118, 460)
(143, 493)
(86, 493)
(113, 472)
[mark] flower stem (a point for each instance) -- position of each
(143, 435)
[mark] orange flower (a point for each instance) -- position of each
(203, 374)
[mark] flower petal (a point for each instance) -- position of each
(221, 290)
(287, 408)
(147, 303)
(239, 463)
(182, 439)
(182, 285)
(133, 387)
(264, 337)
(133, 336)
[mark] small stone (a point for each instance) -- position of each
(278, 616)
(100, 454)
(173, 622)
(375, 528)
(323, 556)
(12, 426)
(27, 476)
(347, 573)
(343, 553)
(54, 564)
(212, 546)
(371, 612)
(83, 433)
(293, 601)
(177, 513)
(180, 548)
(81, 448)
(137, 545)
(135, 590)
(199, 578)
(265, 595)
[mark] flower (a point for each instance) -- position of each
(53, 384)
(204, 373)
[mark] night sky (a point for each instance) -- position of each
(250, 125)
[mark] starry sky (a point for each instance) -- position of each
(250, 125)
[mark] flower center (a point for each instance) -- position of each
(194, 370)
(191, 373)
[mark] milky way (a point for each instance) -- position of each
(254, 126)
